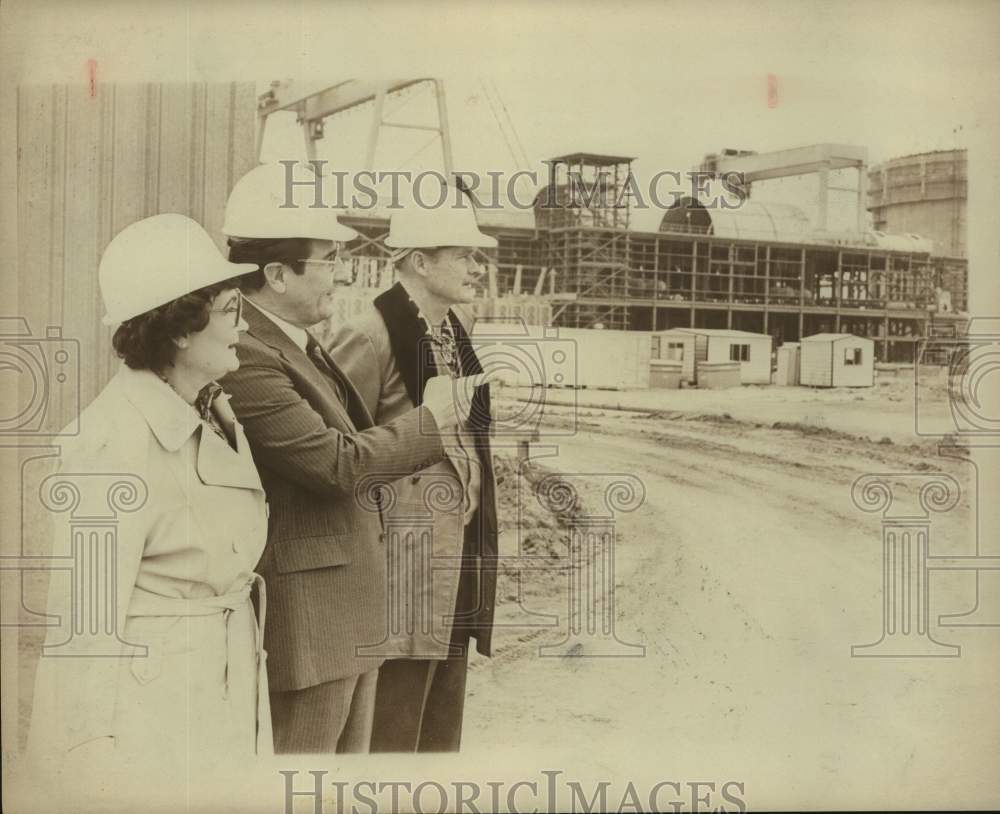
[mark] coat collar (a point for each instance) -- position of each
(216, 462)
(173, 421)
(408, 339)
(413, 352)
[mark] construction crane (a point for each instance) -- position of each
(314, 103)
(817, 158)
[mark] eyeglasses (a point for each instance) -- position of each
(235, 309)
(332, 257)
(343, 273)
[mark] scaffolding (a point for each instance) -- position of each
(585, 210)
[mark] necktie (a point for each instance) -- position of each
(315, 354)
(446, 347)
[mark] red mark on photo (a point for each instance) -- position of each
(772, 90)
(92, 71)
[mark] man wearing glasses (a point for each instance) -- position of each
(315, 443)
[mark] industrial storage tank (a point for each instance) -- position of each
(922, 194)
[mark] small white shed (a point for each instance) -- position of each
(751, 350)
(789, 365)
(837, 360)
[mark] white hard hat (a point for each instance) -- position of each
(453, 223)
(157, 260)
(257, 205)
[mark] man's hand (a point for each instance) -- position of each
(450, 400)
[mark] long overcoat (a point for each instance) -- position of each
(157, 643)
(385, 350)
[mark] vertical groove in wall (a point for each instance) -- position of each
(153, 155)
(108, 175)
(192, 164)
(56, 296)
(147, 138)
(202, 148)
(231, 131)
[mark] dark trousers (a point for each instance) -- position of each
(419, 705)
(332, 717)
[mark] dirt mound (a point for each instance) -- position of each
(539, 512)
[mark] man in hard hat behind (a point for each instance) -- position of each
(413, 331)
(314, 442)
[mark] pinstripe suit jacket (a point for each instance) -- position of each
(324, 562)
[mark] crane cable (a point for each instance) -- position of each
(525, 164)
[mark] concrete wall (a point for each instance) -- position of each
(610, 359)
(565, 357)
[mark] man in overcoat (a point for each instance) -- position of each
(443, 521)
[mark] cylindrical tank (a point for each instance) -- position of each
(922, 194)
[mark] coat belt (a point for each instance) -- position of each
(144, 603)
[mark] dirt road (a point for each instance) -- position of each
(748, 574)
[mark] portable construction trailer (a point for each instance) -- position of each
(714, 345)
(837, 360)
(673, 346)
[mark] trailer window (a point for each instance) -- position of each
(675, 351)
(739, 353)
(852, 356)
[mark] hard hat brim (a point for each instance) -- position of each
(477, 241)
(225, 270)
(337, 232)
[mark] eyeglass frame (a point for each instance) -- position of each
(227, 310)
(338, 252)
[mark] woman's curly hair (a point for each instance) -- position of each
(145, 342)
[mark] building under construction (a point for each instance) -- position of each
(760, 267)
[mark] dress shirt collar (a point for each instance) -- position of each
(298, 335)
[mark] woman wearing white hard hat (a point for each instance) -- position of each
(175, 672)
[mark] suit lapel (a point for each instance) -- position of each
(356, 406)
(264, 329)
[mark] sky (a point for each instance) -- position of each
(510, 123)
(666, 82)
